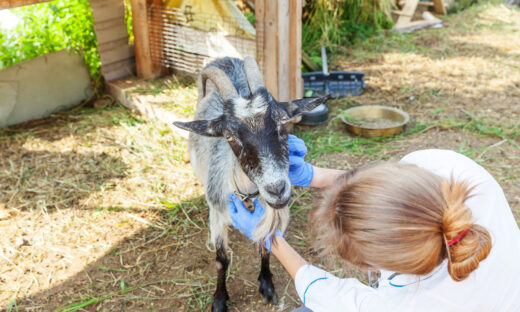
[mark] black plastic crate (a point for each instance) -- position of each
(336, 83)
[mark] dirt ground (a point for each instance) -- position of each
(100, 212)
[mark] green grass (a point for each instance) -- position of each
(94, 299)
(333, 138)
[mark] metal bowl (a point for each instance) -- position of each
(315, 117)
(392, 120)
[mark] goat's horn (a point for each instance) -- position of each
(254, 77)
(226, 89)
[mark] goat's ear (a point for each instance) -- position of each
(296, 108)
(212, 128)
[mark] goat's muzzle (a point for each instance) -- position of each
(279, 205)
(281, 192)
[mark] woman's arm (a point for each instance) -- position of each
(318, 290)
(288, 257)
(324, 177)
(302, 173)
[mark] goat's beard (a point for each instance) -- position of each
(274, 219)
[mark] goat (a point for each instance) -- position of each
(234, 106)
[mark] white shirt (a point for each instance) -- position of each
(493, 286)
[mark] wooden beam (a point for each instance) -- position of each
(406, 13)
(270, 48)
(295, 50)
(284, 46)
(147, 67)
(9, 4)
(278, 37)
(411, 26)
(439, 7)
(306, 59)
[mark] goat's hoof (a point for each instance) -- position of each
(219, 305)
(268, 293)
(273, 299)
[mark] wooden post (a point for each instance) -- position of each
(439, 7)
(278, 31)
(284, 46)
(147, 67)
(270, 52)
(295, 50)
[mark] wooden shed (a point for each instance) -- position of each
(277, 41)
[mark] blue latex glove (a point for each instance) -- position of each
(245, 221)
(300, 172)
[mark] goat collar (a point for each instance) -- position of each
(244, 197)
(238, 193)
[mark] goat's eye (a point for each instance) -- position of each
(230, 138)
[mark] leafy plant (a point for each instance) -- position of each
(49, 27)
(340, 23)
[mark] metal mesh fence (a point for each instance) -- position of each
(185, 40)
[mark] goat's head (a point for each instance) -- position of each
(256, 130)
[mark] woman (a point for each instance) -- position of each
(436, 225)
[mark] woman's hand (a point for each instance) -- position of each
(246, 221)
(301, 173)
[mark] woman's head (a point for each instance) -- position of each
(397, 217)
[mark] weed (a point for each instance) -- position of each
(340, 23)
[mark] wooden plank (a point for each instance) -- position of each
(439, 7)
(421, 3)
(306, 59)
(112, 45)
(120, 72)
(104, 3)
(271, 47)
(123, 91)
(119, 69)
(9, 4)
(110, 30)
(295, 50)
(106, 12)
(284, 81)
(400, 13)
(143, 57)
(407, 13)
(116, 54)
(417, 25)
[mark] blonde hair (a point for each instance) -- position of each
(398, 217)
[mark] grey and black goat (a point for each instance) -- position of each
(239, 144)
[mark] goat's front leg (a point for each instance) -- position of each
(266, 280)
(221, 295)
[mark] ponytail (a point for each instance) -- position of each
(466, 243)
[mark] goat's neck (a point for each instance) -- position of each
(240, 180)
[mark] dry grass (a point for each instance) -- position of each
(170, 93)
(99, 212)
(76, 184)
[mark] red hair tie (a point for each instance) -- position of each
(458, 238)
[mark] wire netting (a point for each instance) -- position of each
(185, 39)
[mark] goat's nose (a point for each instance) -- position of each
(276, 189)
